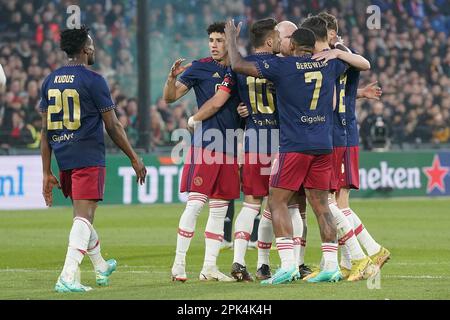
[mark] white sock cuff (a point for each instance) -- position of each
(217, 204)
(267, 215)
(253, 206)
(347, 211)
(329, 247)
(283, 240)
(284, 243)
(195, 196)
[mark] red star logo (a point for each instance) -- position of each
(436, 174)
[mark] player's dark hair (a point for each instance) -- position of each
(216, 27)
(316, 25)
(73, 40)
(260, 30)
(304, 38)
(332, 23)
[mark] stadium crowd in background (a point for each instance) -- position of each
(410, 58)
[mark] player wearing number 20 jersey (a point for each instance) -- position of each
(74, 98)
(75, 102)
(71, 96)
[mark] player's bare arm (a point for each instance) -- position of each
(355, 60)
(371, 91)
(173, 89)
(49, 180)
(117, 133)
(210, 107)
(238, 64)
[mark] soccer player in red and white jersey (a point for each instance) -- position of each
(347, 175)
(218, 181)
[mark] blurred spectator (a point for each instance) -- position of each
(376, 130)
(410, 56)
(19, 135)
(440, 129)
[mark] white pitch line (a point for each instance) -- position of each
(415, 277)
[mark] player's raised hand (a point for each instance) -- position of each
(177, 68)
(231, 31)
(372, 91)
(139, 168)
(49, 182)
(326, 55)
(242, 110)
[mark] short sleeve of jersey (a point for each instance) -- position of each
(269, 69)
(190, 76)
(229, 82)
(101, 95)
(43, 104)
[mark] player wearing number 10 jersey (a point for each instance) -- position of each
(75, 102)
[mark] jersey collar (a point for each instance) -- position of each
(263, 53)
(217, 63)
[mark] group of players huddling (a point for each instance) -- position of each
(295, 96)
(303, 83)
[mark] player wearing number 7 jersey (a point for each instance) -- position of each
(75, 102)
(305, 91)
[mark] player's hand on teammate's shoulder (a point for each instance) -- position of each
(336, 40)
(327, 55)
(139, 168)
(372, 91)
(242, 110)
(49, 182)
(177, 68)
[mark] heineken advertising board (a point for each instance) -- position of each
(389, 174)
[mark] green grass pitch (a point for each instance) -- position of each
(143, 239)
